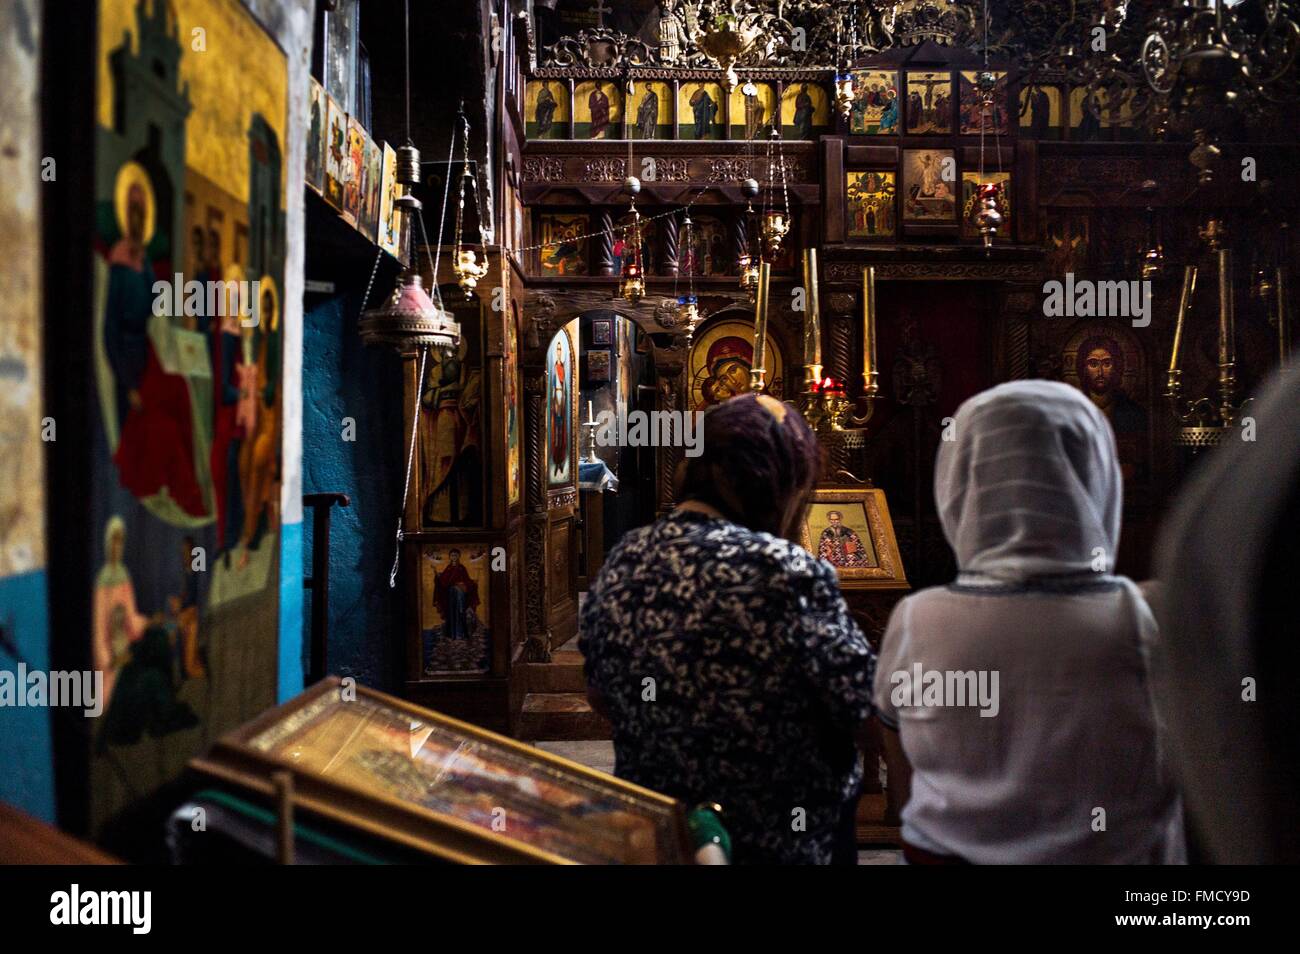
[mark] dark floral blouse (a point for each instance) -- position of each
(733, 673)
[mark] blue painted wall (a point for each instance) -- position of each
(343, 378)
(26, 752)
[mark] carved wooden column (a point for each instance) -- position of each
(533, 367)
(670, 226)
(669, 366)
(838, 335)
(605, 245)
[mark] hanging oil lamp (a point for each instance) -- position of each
(989, 218)
(632, 287)
(776, 221)
(746, 261)
(687, 311)
(775, 228)
(464, 263)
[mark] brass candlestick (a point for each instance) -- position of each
(758, 373)
(812, 334)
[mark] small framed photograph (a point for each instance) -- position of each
(850, 528)
(601, 332)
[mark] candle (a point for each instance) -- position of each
(758, 373)
(1189, 288)
(869, 370)
(812, 336)
(589, 417)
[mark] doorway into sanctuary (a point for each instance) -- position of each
(616, 477)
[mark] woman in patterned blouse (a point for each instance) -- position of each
(723, 652)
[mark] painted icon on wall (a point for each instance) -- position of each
(390, 220)
(871, 204)
(709, 251)
(970, 182)
(559, 410)
(753, 111)
(451, 443)
(651, 111)
(455, 618)
(1041, 115)
(994, 118)
(805, 111)
(317, 129)
(546, 109)
(601, 332)
(597, 110)
(722, 358)
(598, 367)
(185, 459)
(372, 175)
(336, 153)
(1105, 361)
(355, 169)
(699, 111)
(876, 108)
(1093, 110)
(929, 185)
(929, 102)
(564, 247)
(513, 407)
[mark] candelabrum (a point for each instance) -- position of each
(1202, 422)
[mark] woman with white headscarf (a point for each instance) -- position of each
(1019, 692)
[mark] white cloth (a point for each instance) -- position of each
(1027, 493)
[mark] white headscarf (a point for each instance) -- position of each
(1030, 485)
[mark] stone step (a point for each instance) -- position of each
(550, 716)
(562, 674)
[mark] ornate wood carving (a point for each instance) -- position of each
(668, 235)
(591, 162)
(840, 345)
(931, 271)
(537, 640)
(605, 245)
(543, 169)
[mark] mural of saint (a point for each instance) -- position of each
(598, 103)
(840, 545)
(559, 408)
(705, 109)
(260, 408)
(451, 399)
(456, 596)
(316, 139)
(118, 623)
(804, 109)
(544, 113)
(155, 447)
(647, 115)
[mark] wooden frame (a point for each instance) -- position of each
(250, 757)
(885, 566)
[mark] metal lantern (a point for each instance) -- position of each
(989, 218)
(410, 318)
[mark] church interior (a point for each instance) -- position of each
(368, 368)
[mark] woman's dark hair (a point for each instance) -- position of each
(759, 461)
